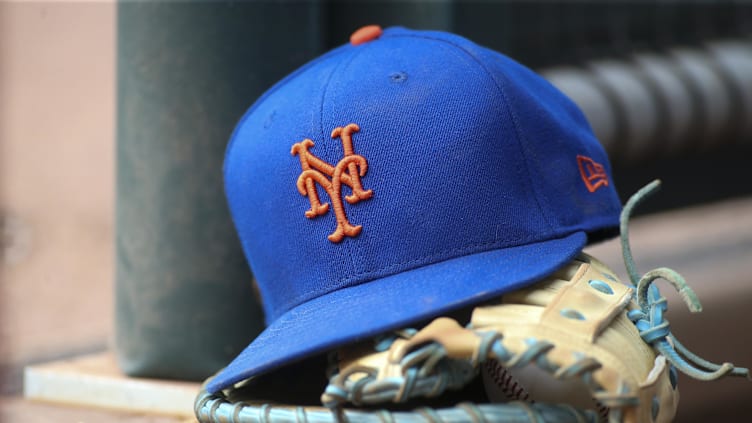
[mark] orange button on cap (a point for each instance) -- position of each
(365, 34)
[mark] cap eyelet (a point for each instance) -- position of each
(398, 77)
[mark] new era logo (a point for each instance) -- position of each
(348, 171)
(593, 174)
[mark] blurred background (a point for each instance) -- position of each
(114, 117)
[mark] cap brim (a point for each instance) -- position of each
(395, 301)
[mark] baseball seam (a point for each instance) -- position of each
(504, 380)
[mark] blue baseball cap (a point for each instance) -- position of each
(399, 177)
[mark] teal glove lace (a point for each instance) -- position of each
(653, 328)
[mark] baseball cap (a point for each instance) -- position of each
(399, 177)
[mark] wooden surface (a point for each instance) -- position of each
(56, 178)
(17, 409)
(95, 381)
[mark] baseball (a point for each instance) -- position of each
(531, 384)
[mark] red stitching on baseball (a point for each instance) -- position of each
(603, 411)
(506, 382)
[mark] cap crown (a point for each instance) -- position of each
(462, 150)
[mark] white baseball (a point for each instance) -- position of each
(531, 384)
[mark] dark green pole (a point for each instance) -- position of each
(186, 74)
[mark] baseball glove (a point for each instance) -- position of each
(579, 346)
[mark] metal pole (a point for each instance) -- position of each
(187, 71)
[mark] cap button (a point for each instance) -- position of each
(365, 34)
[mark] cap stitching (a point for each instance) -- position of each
(520, 137)
(513, 115)
(325, 91)
(272, 90)
(339, 282)
(351, 247)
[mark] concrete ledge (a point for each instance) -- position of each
(95, 381)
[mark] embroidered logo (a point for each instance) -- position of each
(348, 171)
(593, 173)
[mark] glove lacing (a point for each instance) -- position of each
(653, 328)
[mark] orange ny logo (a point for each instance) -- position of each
(348, 171)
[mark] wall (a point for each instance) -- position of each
(56, 178)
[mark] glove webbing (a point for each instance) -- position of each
(428, 371)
